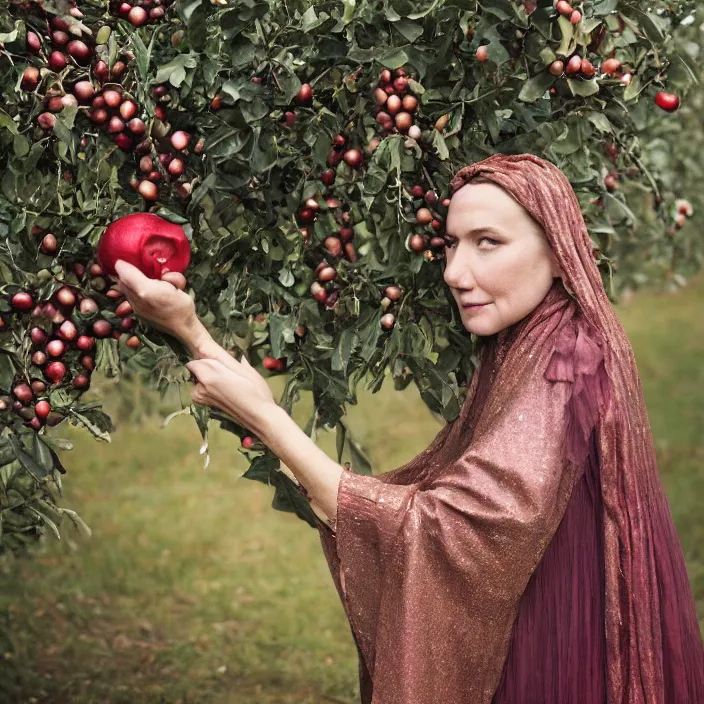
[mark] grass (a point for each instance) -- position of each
(192, 589)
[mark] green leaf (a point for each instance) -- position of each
(536, 86)
(394, 58)
(583, 88)
(407, 29)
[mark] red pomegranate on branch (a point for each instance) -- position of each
(146, 241)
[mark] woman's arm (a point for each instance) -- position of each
(300, 457)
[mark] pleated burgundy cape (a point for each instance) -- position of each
(528, 555)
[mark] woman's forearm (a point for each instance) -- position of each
(303, 459)
(319, 474)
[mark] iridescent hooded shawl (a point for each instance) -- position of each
(446, 566)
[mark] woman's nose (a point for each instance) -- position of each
(458, 271)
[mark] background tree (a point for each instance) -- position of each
(306, 149)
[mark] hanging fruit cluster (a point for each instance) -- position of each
(395, 104)
(140, 12)
(391, 295)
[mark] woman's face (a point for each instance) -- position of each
(500, 259)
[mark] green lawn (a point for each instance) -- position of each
(192, 589)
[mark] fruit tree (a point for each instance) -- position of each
(303, 151)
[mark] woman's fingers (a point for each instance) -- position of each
(175, 279)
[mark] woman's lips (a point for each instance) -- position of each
(473, 306)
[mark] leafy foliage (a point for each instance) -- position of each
(264, 190)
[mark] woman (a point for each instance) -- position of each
(528, 556)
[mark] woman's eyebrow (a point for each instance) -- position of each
(477, 230)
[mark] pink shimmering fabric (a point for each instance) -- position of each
(447, 567)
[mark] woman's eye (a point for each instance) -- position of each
(491, 241)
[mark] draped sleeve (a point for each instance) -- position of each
(431, 573)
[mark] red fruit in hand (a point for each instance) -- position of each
(147, 241)
(668, 102)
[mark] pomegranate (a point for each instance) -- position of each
(65, 296)
(385, 76)
(424, 216)
(305, 95)
(118, 68)
(78, 50)
(34, 44)
(668, 102)
(328, 177)
(47, 120)
(30, 78)
(42, 409)
(85, 343)
(22, 301)
(55, 371)
(327, 273)
(38, 336)
(180, 140)
(148, 190)
(353, 158)
(387, 321)
(82, 381)
(128, 109)
(123, 309)
(55, 348)
(88, 306)
(67, 331)
(87, 362)
(38, 386)
(101, 71)
(380, 96)
(318, 291)
(410, 103)
(22, 393)
(57, 61)
(115, 125)
(393, 292)
(146, 164)
(403, 121)
(417, 243)
(123, 141)
(610, 66)
(574, 65)
(401, 84)
(98, 116)
(102, 328)
(147, 241)
(587, 68)
(112, 98)
(556, 68)
(176, 167)
(393, 105)
(137, 16)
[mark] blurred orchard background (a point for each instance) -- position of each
(181, 583)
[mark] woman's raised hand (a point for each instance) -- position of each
(161, 303)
